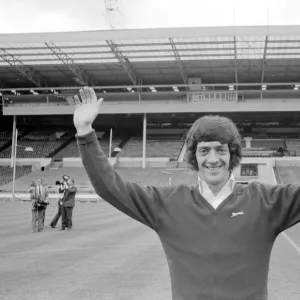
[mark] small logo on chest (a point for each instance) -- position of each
(234, 214)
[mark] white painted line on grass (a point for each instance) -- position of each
(43, 251)
(80, 248)
(291, 242)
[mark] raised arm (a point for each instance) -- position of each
(144, 204)
(283, 204)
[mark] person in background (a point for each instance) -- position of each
(34, 217)
(61, 189)
(42, 200)
(68, 203)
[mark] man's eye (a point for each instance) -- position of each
(223, 151)
(202, 151)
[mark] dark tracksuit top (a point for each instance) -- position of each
(213, 254)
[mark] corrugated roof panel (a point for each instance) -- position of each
(207, 53)
(28, 51)
(79, 61)
(92, 55)
(97, 43)
(249, 52)
(144, 41)
(207, 57)
(282, 51)
(44, 62)
(150, 54)
(96, 61)
(84, 49)
(285, 45)
(152, 59)
(204, 39)
(250, 55)
(250, 39)
(284, 38)
(37, 57)
(250, 45)
(145, 47)
(27, 45)
(205, 46)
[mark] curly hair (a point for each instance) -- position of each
(214, 128)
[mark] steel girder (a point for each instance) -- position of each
(80, 76)
(235, 62)
(264, 61)
(179, 61)
(125, 63)
(28, 72)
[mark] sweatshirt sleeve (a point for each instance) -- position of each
(143, 204)
(283, 203)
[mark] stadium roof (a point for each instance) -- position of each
(258, 54)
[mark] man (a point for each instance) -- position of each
(68, 202)
(61, 189)
(34, 212)
(217, 235)
(40, 200)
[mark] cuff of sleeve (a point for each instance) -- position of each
(87, 138)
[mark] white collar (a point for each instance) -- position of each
(203, 186)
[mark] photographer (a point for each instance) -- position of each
(62, 188)
(68, 202)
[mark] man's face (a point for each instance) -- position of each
(213, 161)
(38, 182)
(69, 182)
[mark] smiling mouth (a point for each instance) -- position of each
(213, 168)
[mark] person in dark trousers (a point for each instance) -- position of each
(34, 212)
(61, 189)
(68, 203)
(40, 200)
(217, 234)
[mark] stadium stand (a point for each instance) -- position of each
(5, 138)
(154, 148)
(71, 150)
(104, 143)
(6, 173)
(43, 143)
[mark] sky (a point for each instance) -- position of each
(27, 16)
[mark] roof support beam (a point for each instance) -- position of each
(179, 61)
(80, 76)
(263, 64)
(125, 63)
(28, 72)
(235, 64)
(264, 60)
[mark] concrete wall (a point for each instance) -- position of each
(172, 107)
(36, 163)
(288, 161)
(137, 162)
(75, 162)
(265, 170)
